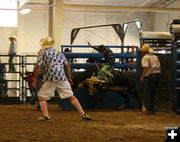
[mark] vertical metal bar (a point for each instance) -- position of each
(138, 62)
(178, 93)
(23, 93)
(174, 83)
(20, 64)
(24, 82)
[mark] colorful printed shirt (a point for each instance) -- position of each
(51, 63)
(151, 61)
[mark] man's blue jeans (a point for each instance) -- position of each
(11, 65)
(150, 85)
(34, 98)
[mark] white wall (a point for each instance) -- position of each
(5, 32)
(33, 27)
(103, 35)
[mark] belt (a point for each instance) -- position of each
(154, 75)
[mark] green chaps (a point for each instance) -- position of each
(104, 72)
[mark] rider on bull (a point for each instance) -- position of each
(104, 73)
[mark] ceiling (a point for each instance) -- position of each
(110, 2)
(100, 6)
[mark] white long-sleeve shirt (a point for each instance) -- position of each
(12, 48)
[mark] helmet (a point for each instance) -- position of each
(102, 48)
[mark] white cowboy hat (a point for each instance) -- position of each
(47, 42)
(146, 48)
(12, 37)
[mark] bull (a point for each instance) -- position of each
(122, 83)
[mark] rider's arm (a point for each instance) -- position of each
(94, 47)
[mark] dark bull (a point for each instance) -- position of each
(122, 83)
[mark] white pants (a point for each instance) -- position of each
(48, 88)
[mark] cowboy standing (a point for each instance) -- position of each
(109, 60)
(150, 77)
(12, 53)
(52, 63)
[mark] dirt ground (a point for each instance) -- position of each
(18, 123)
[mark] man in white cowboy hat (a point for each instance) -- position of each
(52, 63)
(12, 52)
(150, 77)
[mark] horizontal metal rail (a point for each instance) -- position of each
(98, 55)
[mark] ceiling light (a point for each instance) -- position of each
(25, 11)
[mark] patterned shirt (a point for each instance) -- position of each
(51, 63)
(151, 61)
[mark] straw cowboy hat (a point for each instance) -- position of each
(47, 42)
(12, 37)
(146, 48)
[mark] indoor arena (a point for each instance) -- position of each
(90, 71)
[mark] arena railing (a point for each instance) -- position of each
(12, 84)
(23, 63)
(122, 59)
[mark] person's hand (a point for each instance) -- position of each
(34, 83)
(88, 43)
(142, 78)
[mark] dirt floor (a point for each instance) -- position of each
(18, 123)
